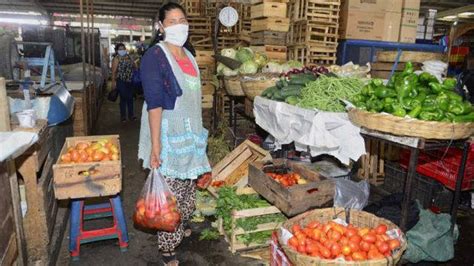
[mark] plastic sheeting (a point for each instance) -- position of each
(318, 132)
(15, 143)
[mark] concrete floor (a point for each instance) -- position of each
(143, 247)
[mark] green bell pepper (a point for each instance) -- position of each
(367, 90)
(436, 115)
(449, 83)
(464, 118)
(374, 105)
(377, 82)
(442, 100)
(358, 98)
(436, 87)
(408, 68)
(415, 112)
(424, 89)
(426, 78)
(384, 92)
(459, 108)
(450, 116)
(398, 110)
(453, 96)
(388, 104)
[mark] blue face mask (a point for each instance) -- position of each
(122, 52)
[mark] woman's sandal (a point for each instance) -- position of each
(170, 259)
(187, 232)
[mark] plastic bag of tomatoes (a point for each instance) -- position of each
(156, 207)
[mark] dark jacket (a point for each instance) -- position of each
(160, 86)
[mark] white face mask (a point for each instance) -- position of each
(177, 34)
(122, 52)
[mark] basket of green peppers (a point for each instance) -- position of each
(416, 98)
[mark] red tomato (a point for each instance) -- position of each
(308, 232)
(383, 247)
(374, 254)
(348, 258)
(325, 252)
(381, 229)
(329, 243)
(336, 250)
(351, 232)
(363, 231)
(334, 235)
(393, 244)
(293, 242)
(316, 235)
(302, 249)
(311, 248)
(344, 241)
(354, 246)
(315, 254)
(295, 228)
(359, 256)
(355, 239)
(369, 238)
(346, 250)
(364, 246)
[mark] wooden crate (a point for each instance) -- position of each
(268, 38)
(70, 183)
(207, 88)
(199, 25)
(234, 168)
(248, 107)
(205, 57)
(201, 42)
(270, 24)
(318, 192)
(273, 52)
(207, 101)
(321, 11)
(207, 72)
(268, 9)
(313, 34)
(35, 168)
(383, 69)
(311, 56)
(372, 166)
(193, 7)
(254, 2)
(80, 114)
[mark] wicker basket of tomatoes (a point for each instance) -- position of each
(338, 237)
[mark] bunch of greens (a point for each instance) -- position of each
(229, 200)
(251, 223)
(417, 96)
(326, 93)
(257, 238)
(209, 234)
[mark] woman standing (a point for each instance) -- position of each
(122, 71)
(172, 136)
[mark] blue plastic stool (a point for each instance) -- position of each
(81, 213)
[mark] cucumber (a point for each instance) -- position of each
(278, 96)
(299, 81)
(269, 91)
(292, 92)
(292, 87)
(293, 100)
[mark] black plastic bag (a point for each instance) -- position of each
(113, 95)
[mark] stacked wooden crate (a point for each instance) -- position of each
(269, 28)
(313, 34)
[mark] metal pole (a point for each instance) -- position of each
(408, 187)
(88, 45)
(83, 44)
(93, 42)
(460, 177)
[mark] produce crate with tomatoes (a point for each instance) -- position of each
(246, 220)
(291, 186)
(338, 236)
(88, 167)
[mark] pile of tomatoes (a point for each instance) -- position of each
(157, 213)
(97, 151)
(332, 240)
(287, 180)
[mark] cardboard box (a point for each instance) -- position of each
(408, 27)
(370, 26)
(377, 6)
(420, 35)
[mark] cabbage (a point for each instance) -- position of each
(261, 59)
(272, 67)
(244, 54)
(229, 72)
(220, 68)
(291, 64)
(248, 67)
(229, 52)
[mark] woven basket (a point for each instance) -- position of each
(411, 127)
(255, 85)
(357, 218)
(232, 86)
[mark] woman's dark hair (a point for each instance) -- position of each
(161, 16)
(118, 45)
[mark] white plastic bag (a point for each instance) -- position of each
(350, 194)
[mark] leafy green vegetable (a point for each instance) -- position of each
(248, 67)
(251, 223)
(257, 238)
(229, 52)
(244, 54)
(209, 234)
(326, 92)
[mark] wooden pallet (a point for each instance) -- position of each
(199, 25)
(207, 72)
(373, 162)
(270, 24)
(204, 57)
(248, 110)
(193, 7)
(268, 38)
(273, 52)
(383, 69)
(311, 55)
(320, 11)
(207, 101)
(314, 34)
(268, 9)
(201, 42)
(234, 168)
(207, 88)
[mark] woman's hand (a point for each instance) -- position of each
(155, 160)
